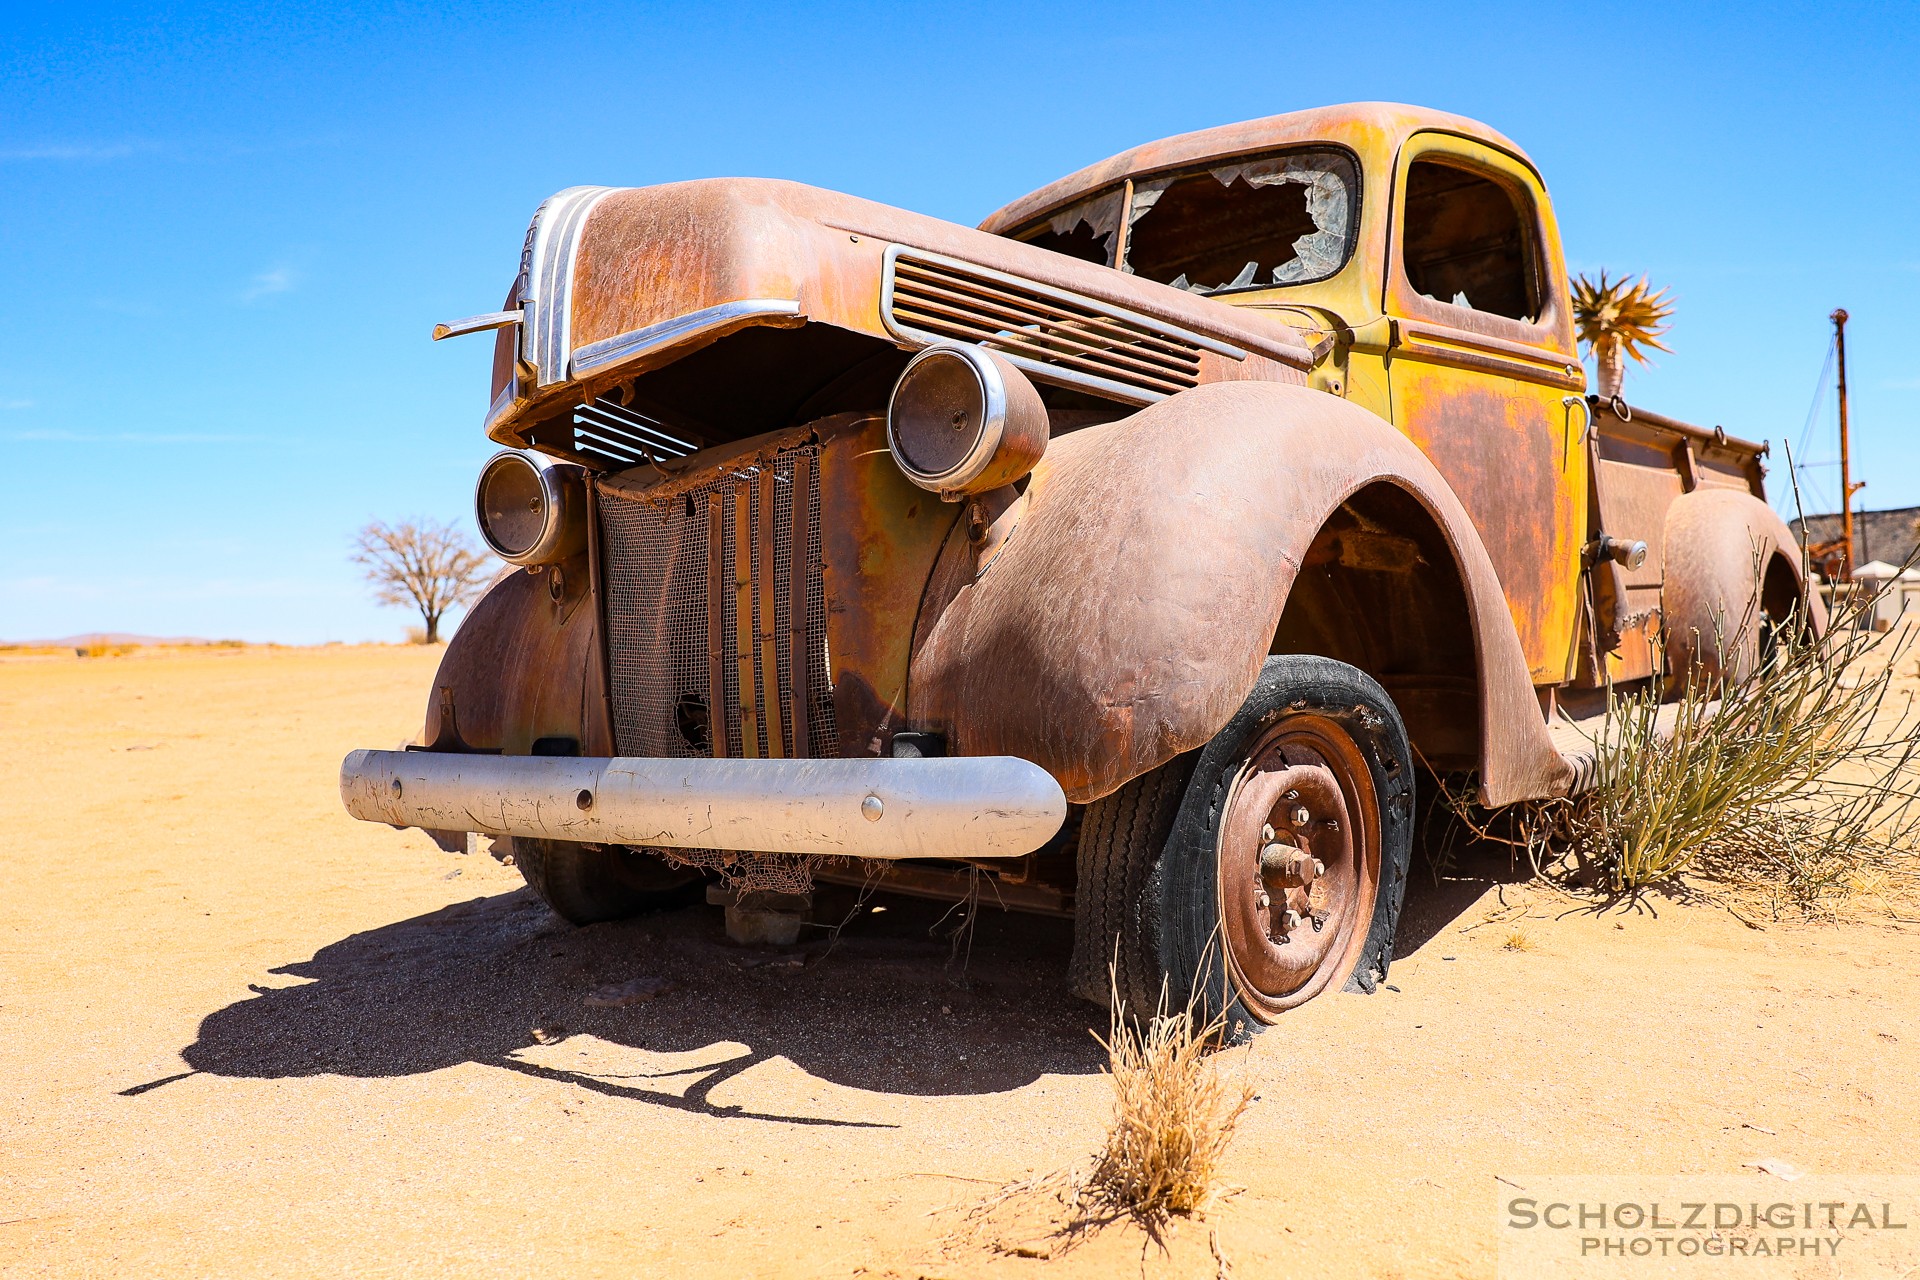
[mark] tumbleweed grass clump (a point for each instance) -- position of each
(1173, 1113)
(1173, 1117)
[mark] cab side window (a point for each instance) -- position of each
(1469, 242)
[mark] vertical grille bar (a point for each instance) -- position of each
(764, 630)
(716, 626)
(743, 618)
(716, 613)
(798, 659)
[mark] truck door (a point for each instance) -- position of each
(1484, 375)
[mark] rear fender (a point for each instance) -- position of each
(1125, 616)
(1731, 563)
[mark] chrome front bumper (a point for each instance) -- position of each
(958, 807)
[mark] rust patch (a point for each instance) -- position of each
(1501, 450)
(523, 666)
(1127, 616)
(880, 536)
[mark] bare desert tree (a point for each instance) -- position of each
(428, 565)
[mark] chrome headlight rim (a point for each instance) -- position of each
(560, 490)
(1005, 396)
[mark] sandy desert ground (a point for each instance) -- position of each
(243, 1035)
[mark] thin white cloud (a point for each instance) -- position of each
(280, 279)
(57, 435)
(175, 149)
(1901, 384)
(72, 151)
(16, 404)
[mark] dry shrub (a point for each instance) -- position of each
(1799, 778)
(1173, 1114)
(1793, 777)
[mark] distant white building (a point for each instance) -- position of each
(1896, 590)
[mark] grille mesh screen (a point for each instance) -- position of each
(663, 597)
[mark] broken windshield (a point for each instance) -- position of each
(1083, 230)
(1251, 224)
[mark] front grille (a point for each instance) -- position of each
(1058, 336)
(603, 430)
(716, 614)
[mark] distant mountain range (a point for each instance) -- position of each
(104, 637)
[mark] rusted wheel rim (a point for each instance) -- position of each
(1299, 863)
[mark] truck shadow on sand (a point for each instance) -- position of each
(905, 997)
(890, 1004)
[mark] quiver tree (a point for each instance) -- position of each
(1617, 319)
(429, 566)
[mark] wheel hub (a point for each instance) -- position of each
(1296, 874)
(1305, 830)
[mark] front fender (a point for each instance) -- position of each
(1127, 616)
(524, 665)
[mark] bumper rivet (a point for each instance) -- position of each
(396, 788)
(871, 808)
(584, 799)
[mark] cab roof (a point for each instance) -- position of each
(1363, 126)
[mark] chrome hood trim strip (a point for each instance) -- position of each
(667, 333)
(553, 243)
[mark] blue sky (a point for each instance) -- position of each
(227, 230)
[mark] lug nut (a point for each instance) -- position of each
(1266, 834)
(1264, 901)
(1293, 919)
(1319, 868)
(1301, 817)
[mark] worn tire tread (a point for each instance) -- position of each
(586, 885)
(1120, 845)
(1146, 861)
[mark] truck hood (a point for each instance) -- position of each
(615, 281)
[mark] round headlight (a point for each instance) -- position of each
(531, 513)
(963, 420)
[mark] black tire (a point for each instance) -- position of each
(588, 883)
(1149, 899)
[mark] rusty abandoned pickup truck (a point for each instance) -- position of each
(1134, 550)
